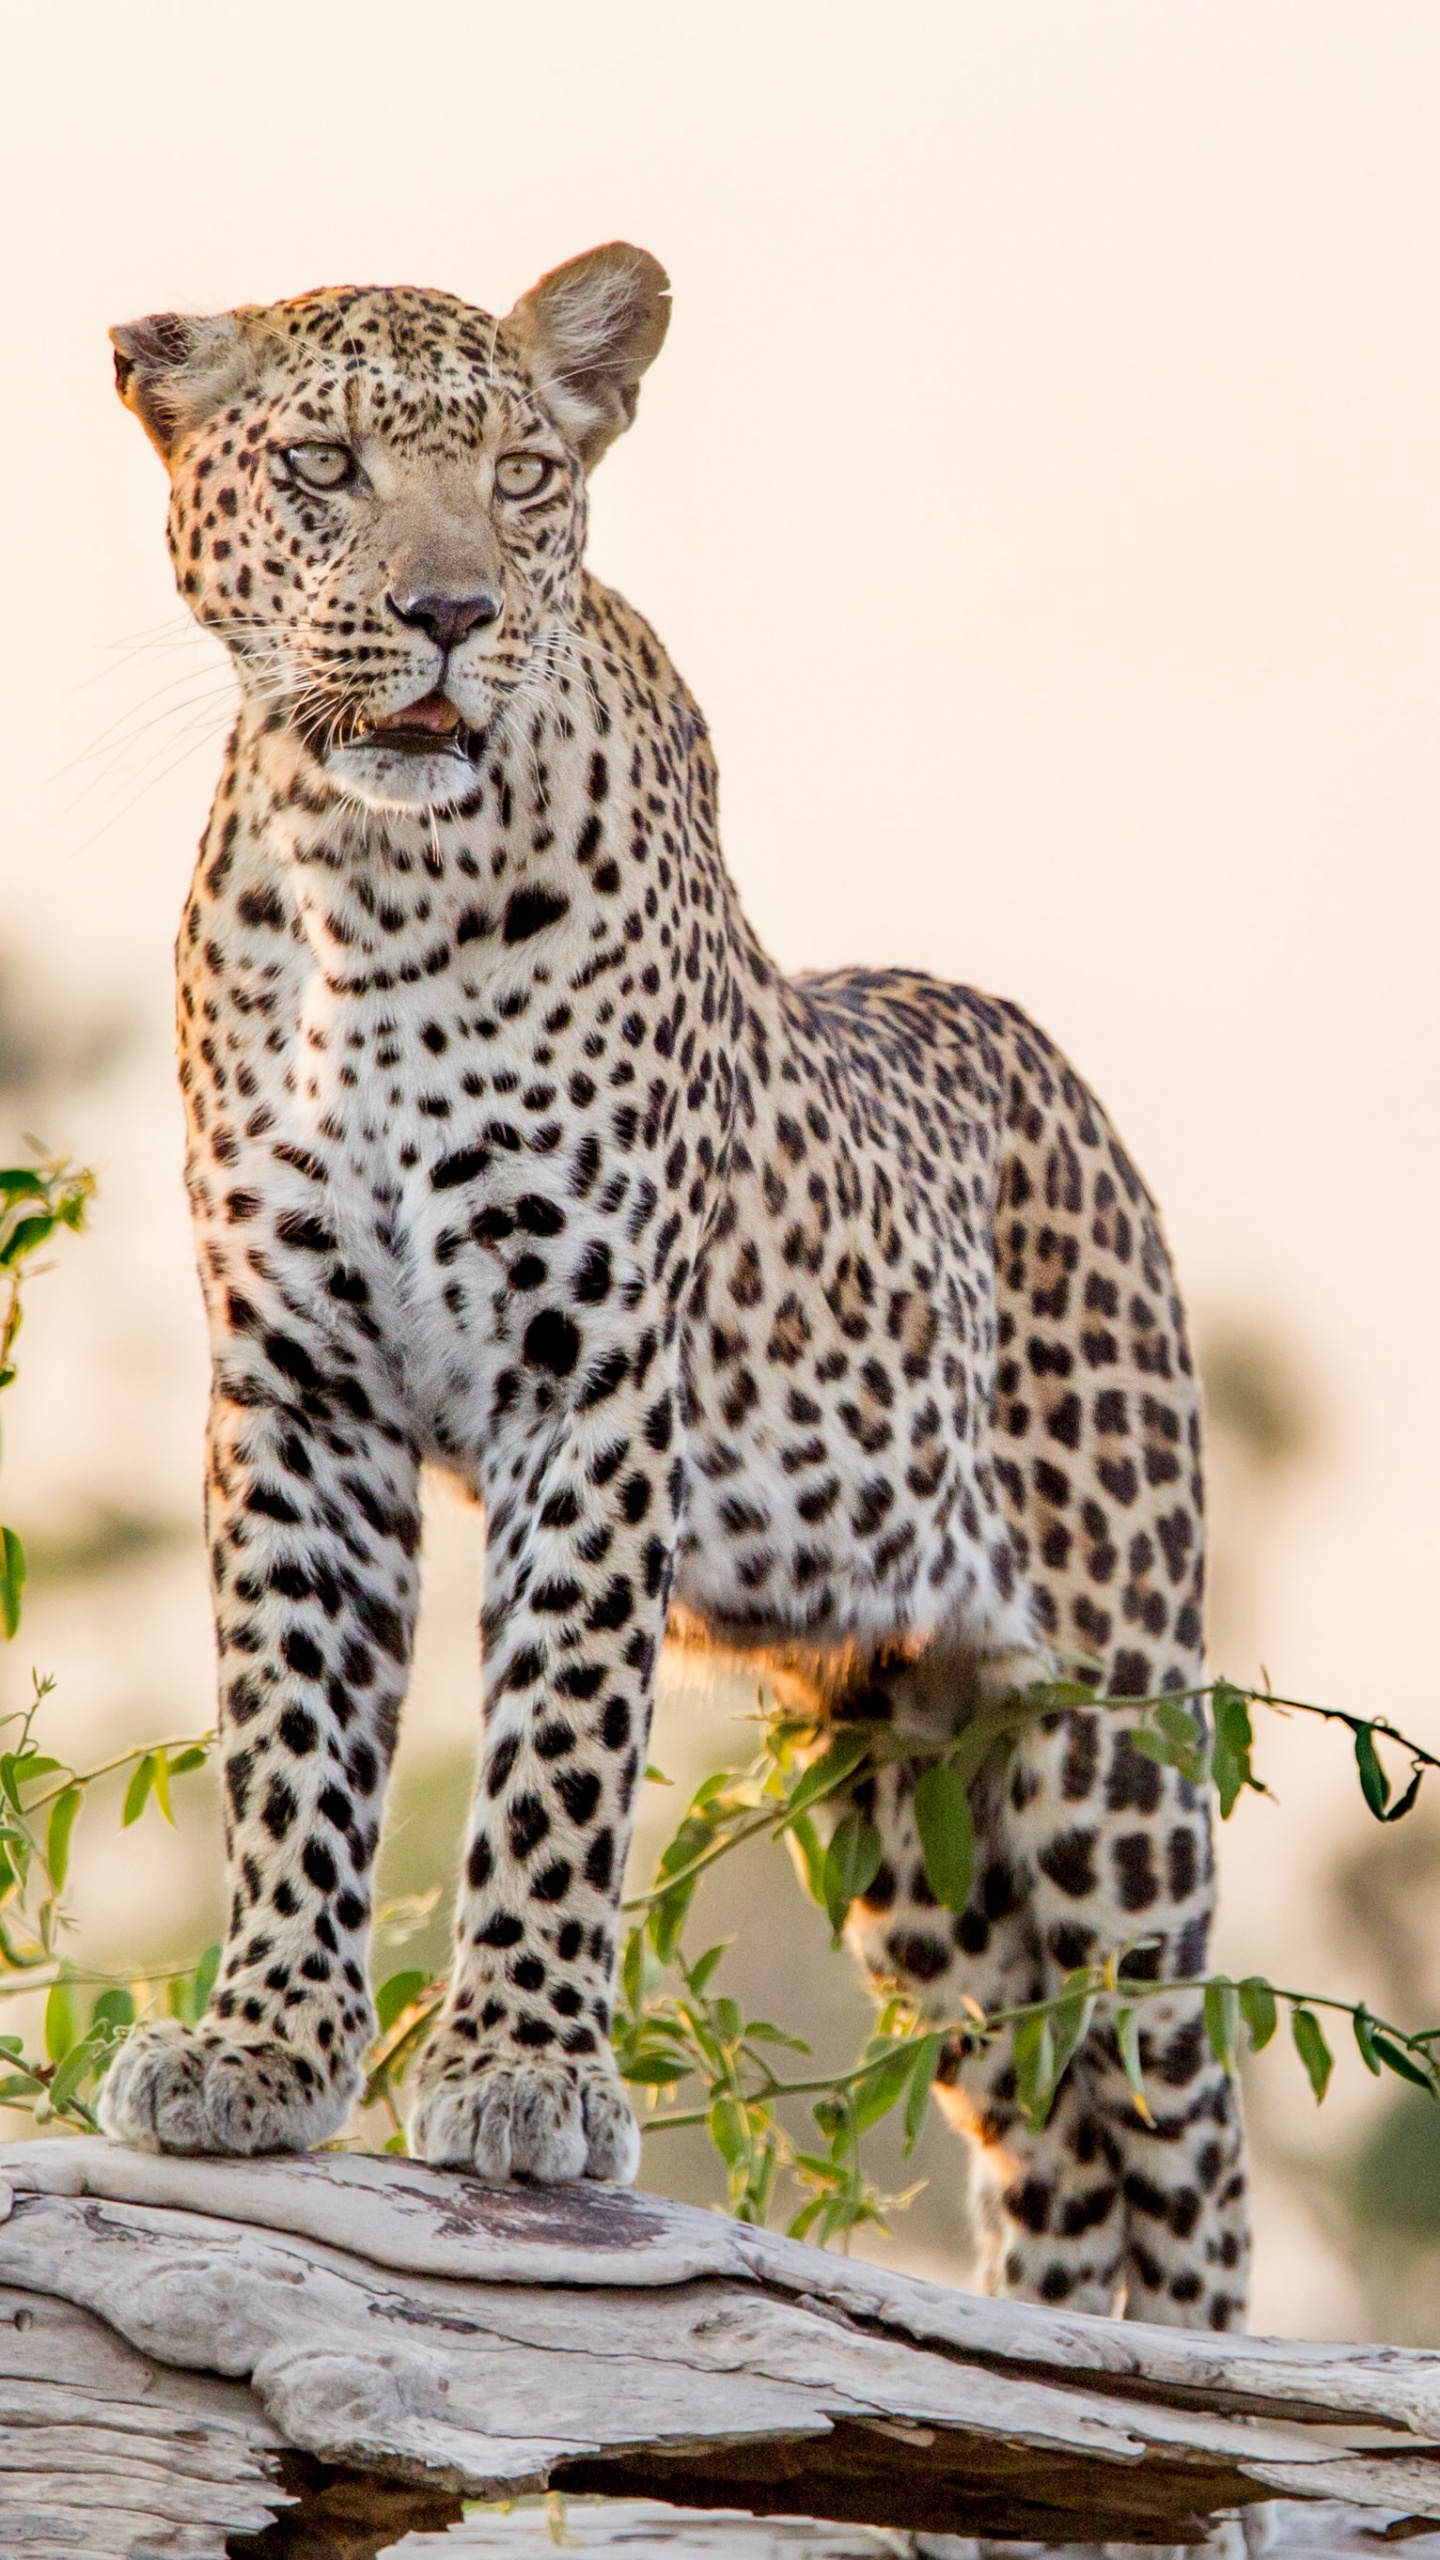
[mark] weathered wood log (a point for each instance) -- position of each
(643, 2529)
(217, 2346)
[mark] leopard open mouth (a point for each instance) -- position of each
(430, 727)
(424, 755)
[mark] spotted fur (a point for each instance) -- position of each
(829, 1309)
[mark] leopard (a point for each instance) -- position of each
(825, 1314)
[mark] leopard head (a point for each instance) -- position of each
(377, 501)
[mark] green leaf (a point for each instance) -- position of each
(1374, 1785)
(162, 1786)
(657, 2070)
(21, 2084)
(1127, 2037)
(845, 1753)
(1257, 2007)
(654, 2024)
(137, 1794)
(396, 1994)
(666, 1920)
(947, 1834)
(115, 2008)
(1396, 2059)
(62, 2025)
(656, 1777)
(1176, 1740)
(1222, 2021)
(812, 1854)
(1363, 2025)
(30, 1765)
(760, 2031)
(1071, 2017)
(700, 2038)
(1313, 2050)
(1035, 2073)
(852, 1862)
(729, 2131)
(12, 1580)
(18, 1183)
(709, 1788)
(882, 2089)
(1234, 1740)
(695, 1835)
(922, 2076)
(57, 1837)
(205, 1973)
(1403, 1804)
(25, 1238)
(1180, 1725)
(1151, 1745)
(832, 2115)
(188, 1996)
(699, 1973)
(78, 2064)
(632, 1971)
(194, 1756)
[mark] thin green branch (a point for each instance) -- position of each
(976, 2032)
(776, 1821)
(42, 1976)
(123, 1760)
(1272, 1698)
(707, 1857)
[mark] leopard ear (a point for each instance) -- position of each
(587, 331)
(174, 369)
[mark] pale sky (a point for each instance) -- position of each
(1041, 490)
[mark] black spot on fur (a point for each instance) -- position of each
(528, 911)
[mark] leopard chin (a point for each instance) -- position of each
(401, 771)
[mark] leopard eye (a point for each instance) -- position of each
(523, 475)
(321, 466)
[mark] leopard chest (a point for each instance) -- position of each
(464, 1182)
(508, 1193)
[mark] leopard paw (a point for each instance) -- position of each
(174, 2088)
(505, 2118)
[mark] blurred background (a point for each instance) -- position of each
(1039, 488)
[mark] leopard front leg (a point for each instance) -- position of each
(519, 2079)
(313, 1527)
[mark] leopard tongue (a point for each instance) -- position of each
(436, 712)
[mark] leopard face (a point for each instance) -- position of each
(378, 502)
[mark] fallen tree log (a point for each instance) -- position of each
(643, 2529)
(327, 2352)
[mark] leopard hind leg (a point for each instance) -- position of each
(1044, 2210)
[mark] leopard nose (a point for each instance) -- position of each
(447, 620)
